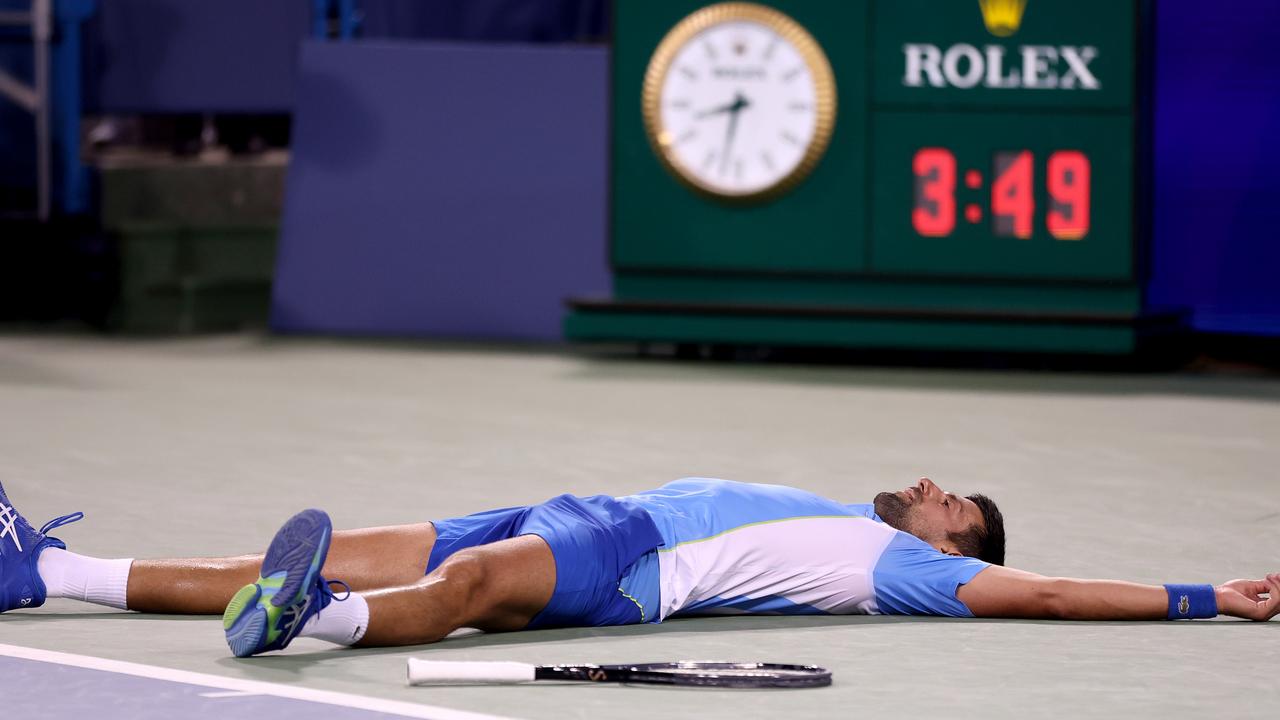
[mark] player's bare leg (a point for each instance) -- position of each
(498, 586)
(495, 587)
(364, 559)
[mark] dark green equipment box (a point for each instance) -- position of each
(982, 186)
(195, 241)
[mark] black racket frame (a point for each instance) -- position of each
(690, 673)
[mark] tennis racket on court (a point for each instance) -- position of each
(701, 674)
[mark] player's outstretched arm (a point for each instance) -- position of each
(1005, 592)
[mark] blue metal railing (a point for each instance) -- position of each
(54, 98)
(346, 12)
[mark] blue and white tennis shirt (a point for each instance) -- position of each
(738, 548)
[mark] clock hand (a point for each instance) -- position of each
(716, 111)
(740, 103)
(728, 141)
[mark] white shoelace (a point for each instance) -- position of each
(8, 525)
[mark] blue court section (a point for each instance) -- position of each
(443, 189)
(62, 685)
(61, 691)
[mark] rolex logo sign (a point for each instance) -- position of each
(1002, 17)
(964, 66)
(997, 66)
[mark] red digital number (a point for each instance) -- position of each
(934, 214)
(1068, 195)
(1013, 206)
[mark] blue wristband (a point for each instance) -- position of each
(1191, 601)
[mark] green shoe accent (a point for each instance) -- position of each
(243, 597)
(274, 631)
(274, 582)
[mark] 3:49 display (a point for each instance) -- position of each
(1012, 198)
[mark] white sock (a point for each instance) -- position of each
(68, 575)
(343, 622)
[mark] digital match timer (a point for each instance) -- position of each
(983, 183)
(1012, 205)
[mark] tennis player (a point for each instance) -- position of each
(696, 546)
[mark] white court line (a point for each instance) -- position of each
(229, 694)
(252, 687)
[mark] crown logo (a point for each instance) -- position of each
(1002, 17)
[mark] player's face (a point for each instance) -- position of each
(928, 512)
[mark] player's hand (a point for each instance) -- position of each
(1250, 599)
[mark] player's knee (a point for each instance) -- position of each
(467, 572)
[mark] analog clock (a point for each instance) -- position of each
(739, 101)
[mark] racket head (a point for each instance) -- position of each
(698, 673)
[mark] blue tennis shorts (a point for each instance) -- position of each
(595, 541)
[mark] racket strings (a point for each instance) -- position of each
(736, 672)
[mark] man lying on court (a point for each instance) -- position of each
(696, 546)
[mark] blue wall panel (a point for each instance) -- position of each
(443, 189)
(487, 20)
(238, 55)
(1217, 164)
(194, 56)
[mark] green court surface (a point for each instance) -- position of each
(204, 446)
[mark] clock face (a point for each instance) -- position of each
(739, 101)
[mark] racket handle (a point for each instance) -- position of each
(442, 672)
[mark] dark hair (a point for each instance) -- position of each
(986, 545)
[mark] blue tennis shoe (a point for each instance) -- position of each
(268, 614)
(20, 548)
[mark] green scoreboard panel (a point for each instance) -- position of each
(976, 187)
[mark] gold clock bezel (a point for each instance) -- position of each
(788, 29)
